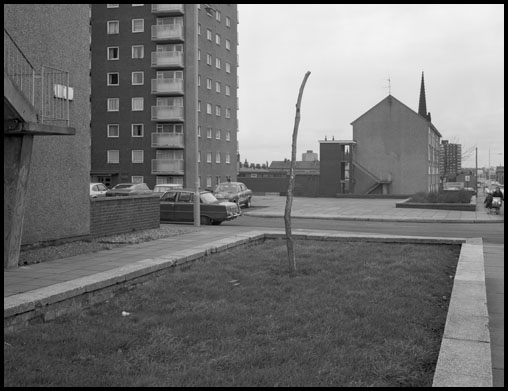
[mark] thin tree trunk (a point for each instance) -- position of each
(289, 198)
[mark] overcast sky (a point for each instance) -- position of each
(351, 51)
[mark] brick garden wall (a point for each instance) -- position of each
(116, 215)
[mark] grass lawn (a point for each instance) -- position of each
(357, 314)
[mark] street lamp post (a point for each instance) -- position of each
(197, 198)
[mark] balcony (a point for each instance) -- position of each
(167, 167)
(167, 9)
(167, 59)
(167, 140)
(167, 86)
(167, 113)
(167, 32)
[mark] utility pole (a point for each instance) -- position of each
(476, 168)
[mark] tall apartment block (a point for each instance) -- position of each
(164, 77)
(450, 160)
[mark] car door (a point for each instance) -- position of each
(243, 194)
(167, 206)
(184, 206)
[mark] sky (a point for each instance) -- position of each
(351, 51)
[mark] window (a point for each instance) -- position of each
(137, 130)
(217, 110)
(208, 59)
(217, 16)
(208, 132)
(199, 54)
(217, 39)
(208, 181)
(199, 106)
(209, 34)
(137, 156)
(217, 86)
(228, 135)
(217, 63)
(228, 21)
(113, 53)
(199, 130)
(228, 67)
(208, 108)
(113, 130)
(138, 51)
(113, 27)
(138, 78)
(228, 158)
(228, 90)
(113, 5)
(228, 44)
(209, 84)
(137, 5)
(228, 113)
(199, 80)
(137, 179)
(199, 28)
(208, 157)
(138, 25)
(113, 156)
(217, 134)
(169, 128)
(113, 79)
(113, 104)
(217, 157)
(137, 104)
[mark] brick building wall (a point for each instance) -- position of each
(116, 215)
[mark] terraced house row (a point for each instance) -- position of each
(164, 93)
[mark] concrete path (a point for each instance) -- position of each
(27, 283)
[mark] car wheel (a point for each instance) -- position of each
(215, 222)
(248, 203)
(205, 220)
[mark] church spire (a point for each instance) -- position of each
(422, 107)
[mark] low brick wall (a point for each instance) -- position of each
(117, 215)
(471, 207)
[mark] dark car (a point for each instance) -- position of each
(234, 192)
(129, 189)
(178, 205)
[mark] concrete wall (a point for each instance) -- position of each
(58, 203)
(305, 185)
(116, 215)
(392, 140)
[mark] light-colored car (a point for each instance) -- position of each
(97, 190)
(129, 189)
(235, 192)
(166, 187)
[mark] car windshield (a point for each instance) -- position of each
(208, 198)
(226, 188)
(122, 186)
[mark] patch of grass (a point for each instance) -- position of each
(357, 314)
(446, 197)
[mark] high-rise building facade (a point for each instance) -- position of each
(450, 160)
(154, 96)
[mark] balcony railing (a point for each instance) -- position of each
(167, 140)
(18, 68)
(167, 86)
(167, 113)
(167, 167)
(170, 9)
(49, 93)
(167, 59)
(167, 32)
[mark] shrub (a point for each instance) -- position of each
(444, 197)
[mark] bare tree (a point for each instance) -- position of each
(289, 198)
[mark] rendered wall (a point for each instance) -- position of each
(58, 204)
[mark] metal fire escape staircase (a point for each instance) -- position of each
(377, 181)
(34, 105)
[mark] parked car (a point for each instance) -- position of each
(166, 187)
(129, 189)
(178, 205)
(97, 190)
(234, 192)
(470, 190)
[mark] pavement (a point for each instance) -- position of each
(29, 289)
